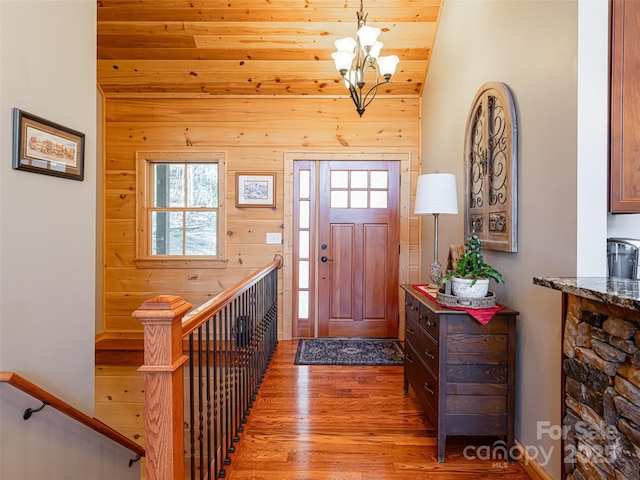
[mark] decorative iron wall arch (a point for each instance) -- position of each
(491, 174)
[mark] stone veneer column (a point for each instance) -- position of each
(601, 360)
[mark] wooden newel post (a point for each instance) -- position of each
(161, 318)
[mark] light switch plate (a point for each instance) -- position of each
(274, 238)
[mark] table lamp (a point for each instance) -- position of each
(436, 194)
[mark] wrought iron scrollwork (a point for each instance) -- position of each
(491, 168)
(477, 160)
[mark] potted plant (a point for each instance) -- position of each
(470, 274)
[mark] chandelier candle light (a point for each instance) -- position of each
(355, 57)
(436, 194)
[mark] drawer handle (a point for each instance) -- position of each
(431, 323)
(428, 388)
(407, 357)
(409, 331)
(429, 354)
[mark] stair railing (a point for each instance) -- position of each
(221, 350)
(48, 399)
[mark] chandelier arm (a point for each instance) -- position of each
(357, 99)
(352, 90)
(374, 89)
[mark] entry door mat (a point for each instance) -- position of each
(349, 351)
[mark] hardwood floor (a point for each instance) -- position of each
(347, 423)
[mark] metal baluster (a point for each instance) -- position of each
(225, 387)
(208, 389)
(237, 365)
(200, 404)
(252, 357)
(236, 383)
(192, 438)
(244, 370)
(217, 425)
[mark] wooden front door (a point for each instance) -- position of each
(358, 249)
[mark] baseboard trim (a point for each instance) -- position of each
(531, 465)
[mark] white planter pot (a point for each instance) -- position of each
(461, 287)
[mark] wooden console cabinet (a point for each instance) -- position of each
(463, 372)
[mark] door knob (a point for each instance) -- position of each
(323, 259)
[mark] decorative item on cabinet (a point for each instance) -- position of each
(462, 371)
(491, 160)
(470, 274)
(436, 194)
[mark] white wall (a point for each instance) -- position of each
(48, 223)
(47, 244)
(623, 225)
(593, 136)
(532, 46)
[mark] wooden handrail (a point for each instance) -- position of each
(35, 391)
(197, 316)
(167, 321)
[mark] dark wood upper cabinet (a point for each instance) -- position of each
(624, 168)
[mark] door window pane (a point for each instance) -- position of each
(359, 199)
(339, 179)
(303, 304)
(339, 199)
(378, 198)
(379, 179)
(303, 274)
(303, 244)
(305, 184)
(304, 214)
(359, 179)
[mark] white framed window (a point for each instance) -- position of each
(180, 209)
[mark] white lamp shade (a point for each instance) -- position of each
(343, 59)
(375, 50)
(350, 79)
(436, 193)
(368, 36)
(388, 64)
(348, 44)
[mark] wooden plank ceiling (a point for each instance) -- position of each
(253, 47)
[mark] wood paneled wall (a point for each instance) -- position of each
(255, 133)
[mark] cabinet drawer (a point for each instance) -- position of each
(423, 382)
(423, 344)
(411, 306)
(430, 321)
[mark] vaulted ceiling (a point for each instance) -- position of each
(253, 47)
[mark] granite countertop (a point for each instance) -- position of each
(621, 292)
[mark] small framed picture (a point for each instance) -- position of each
(41, 146)
(255, 190)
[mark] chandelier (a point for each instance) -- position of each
(355, 57)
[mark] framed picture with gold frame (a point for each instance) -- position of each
(255, 190)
